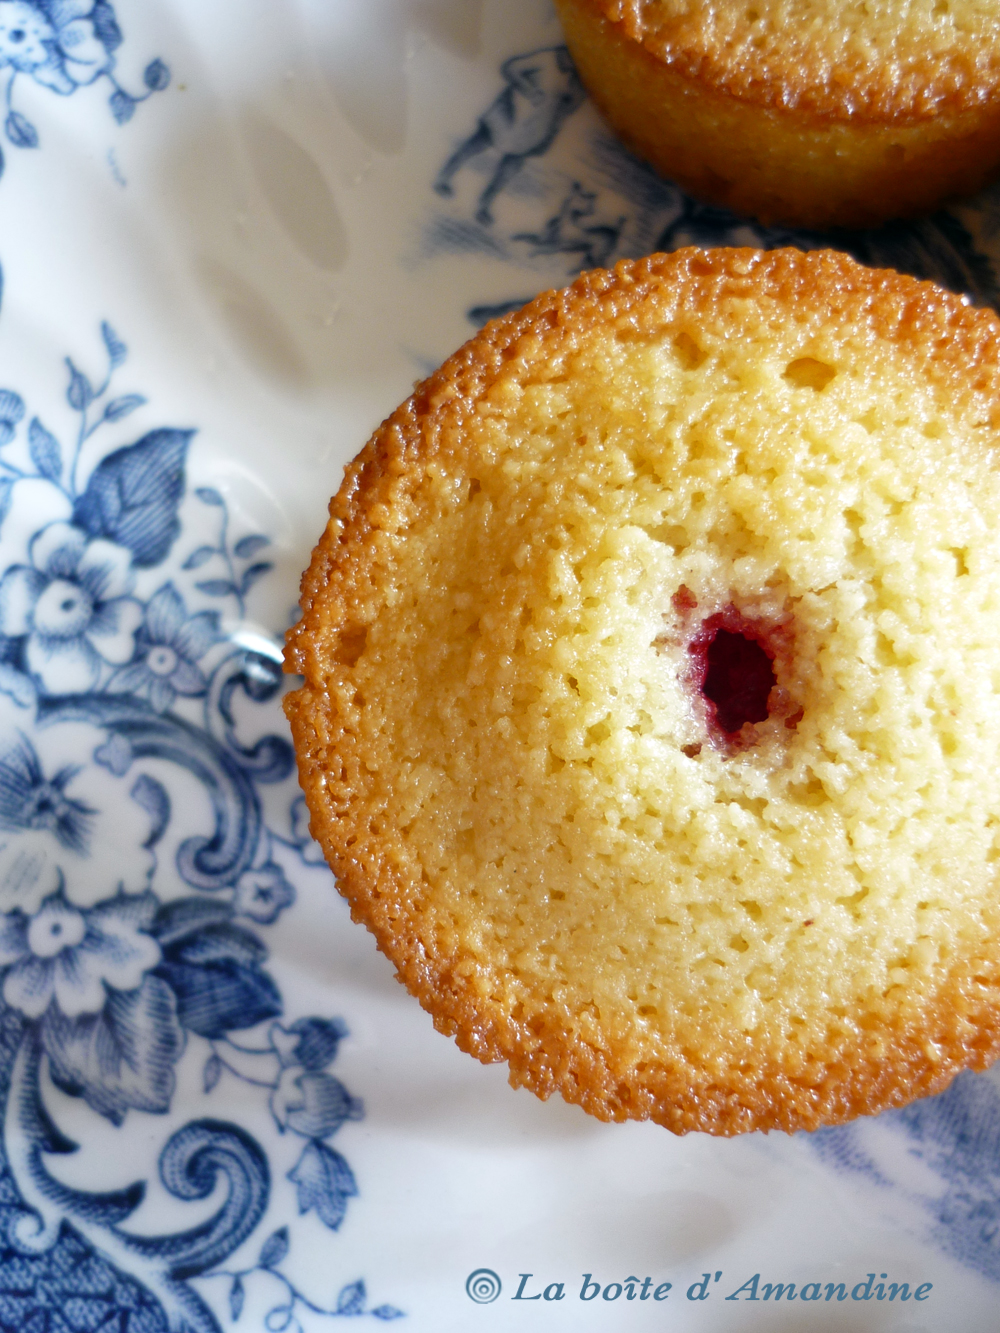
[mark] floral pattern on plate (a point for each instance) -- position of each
(65, 45)
(104, 981)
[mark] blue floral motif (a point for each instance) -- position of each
(58, 42)
(351, 1299)
(214, 968)
(104, 983)
(71, 608)
(65, 45)
(65, 956)
(305, 1100)
(233, 581)
(48, 826)
(170, 644)
(308, 1101)
(263, 894)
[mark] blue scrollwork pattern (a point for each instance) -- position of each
(116, 675)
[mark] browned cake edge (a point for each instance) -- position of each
(877, 1061)
(911, 83)
(752, 140)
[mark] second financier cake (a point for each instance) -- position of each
(811, 112)
(651, 701)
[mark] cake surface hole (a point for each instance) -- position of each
(351, 645)
(808, 373)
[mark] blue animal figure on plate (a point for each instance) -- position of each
(541, 88)
(130, 927)
(596, 203)
(574, 230)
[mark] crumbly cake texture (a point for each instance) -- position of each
(504, 735)
(808, 112)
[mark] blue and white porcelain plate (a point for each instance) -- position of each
(231, 236)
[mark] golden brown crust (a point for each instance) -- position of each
(873, 1060)
(887, 62)
(768, 118)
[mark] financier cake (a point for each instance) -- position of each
(810, 112)
(651, 711)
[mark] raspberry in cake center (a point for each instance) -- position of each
(733, 668)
